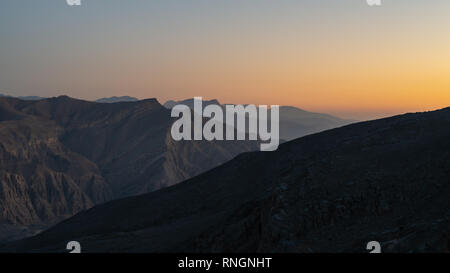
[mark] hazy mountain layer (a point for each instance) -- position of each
(294, 122)
(117, 99)
(23, 97)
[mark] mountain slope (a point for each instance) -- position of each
(385, 180)
(60, 155)
(41, 180)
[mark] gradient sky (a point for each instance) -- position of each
(336, 56)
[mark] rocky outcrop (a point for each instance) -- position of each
(41, 181)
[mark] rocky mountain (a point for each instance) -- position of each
(385, 180)
(294, 122)
(116, 99)
(60, 156)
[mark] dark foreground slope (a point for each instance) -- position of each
(386, 180)
(60, 156)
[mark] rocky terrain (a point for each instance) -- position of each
(60, 156)
(386, 180)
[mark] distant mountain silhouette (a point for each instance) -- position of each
(23, 97)
(31, 98)
(102, 100)
(117, 99)
(189, 102)
(385, 180)
(294, 122)
(59, 156)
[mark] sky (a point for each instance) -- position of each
(341, 57)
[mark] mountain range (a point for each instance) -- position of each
(59, 156)
(113, 99)
(385, 180)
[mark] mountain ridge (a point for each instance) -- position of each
(334, 191)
